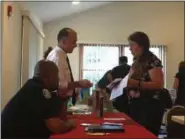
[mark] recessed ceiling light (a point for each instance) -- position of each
(75, 2)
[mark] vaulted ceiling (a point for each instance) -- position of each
(48, 11)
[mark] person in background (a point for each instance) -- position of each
(102, 85)
(35, 110)
(46, 53)
(67, 39)
(117, 72)
(105, 80)
(145, 84)
(179, 84)
(122, 70)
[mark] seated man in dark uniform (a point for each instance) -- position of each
(35, 109)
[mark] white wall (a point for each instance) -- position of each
(11, 51)
(32, 42)
(0, 48)
(35, 47)
(35, 19)
(162, 21)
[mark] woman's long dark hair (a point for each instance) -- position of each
(143, 41)
(140, 63)
(46, 53)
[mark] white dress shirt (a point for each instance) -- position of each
(58, 56)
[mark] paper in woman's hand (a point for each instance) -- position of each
(114, 83)
(118, 90)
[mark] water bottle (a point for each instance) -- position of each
(97, 99)
(100, 110)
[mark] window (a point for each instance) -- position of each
(129, 55)
(98, 59)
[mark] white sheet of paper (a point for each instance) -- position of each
(114, 119)
(111, 85)
(118, 90)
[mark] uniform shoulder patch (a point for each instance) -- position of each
(46, 93)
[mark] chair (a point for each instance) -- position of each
(175, 130)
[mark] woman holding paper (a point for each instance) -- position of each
(145, 79)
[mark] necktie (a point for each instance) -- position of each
(72, 79)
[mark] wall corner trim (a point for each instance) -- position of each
(31, 18)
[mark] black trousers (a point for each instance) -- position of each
(147, 112)
(121, 104)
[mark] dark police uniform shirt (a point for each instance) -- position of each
(25, 114)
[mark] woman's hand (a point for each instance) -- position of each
(132, 83)
(133, 94)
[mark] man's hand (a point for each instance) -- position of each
(65, 91)
(72, 123)
(85, 83)
(56, 125)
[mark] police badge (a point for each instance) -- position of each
(46, 93)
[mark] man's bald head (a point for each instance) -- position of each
(47, 72)
(44, 68)
(67, 39)
(64, 33)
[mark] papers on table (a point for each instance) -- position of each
(79, 108)
(82, 113)
(118, 89)
(110, 123)
(114, 119)
(97, 134)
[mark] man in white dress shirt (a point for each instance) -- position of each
(67, 39)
